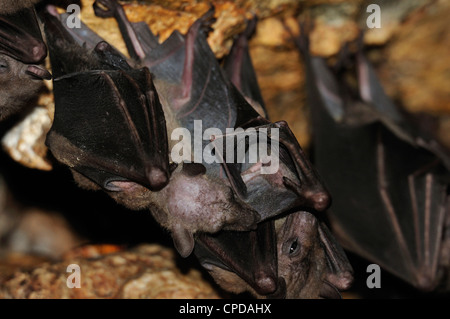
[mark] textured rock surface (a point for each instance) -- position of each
(148, 271)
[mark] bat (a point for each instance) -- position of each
(189, 188)
(183, 90)
(321, 271)
(302, 237)
(248, 186)
(310, 263)
(198, 199)
(12, 6)
(120, 163)
(22, 51)
(389, 180)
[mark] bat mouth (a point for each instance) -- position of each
(38, 72)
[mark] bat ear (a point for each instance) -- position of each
(183, 240)
(340, 273)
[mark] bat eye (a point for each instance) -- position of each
(4, 66)
(294, 248)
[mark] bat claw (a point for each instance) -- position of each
(158, 178)
(266, 285)
(206, 21)
(320, 201)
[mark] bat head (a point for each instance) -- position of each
(298, 258)
(304, 257)
(193, 202)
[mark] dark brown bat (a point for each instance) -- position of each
(389, 181)
(190, 84)
(191, 202)
(269, 195)
(22, 52)
(310, 263)
(184, 91)
(309, 258)
(320, 271)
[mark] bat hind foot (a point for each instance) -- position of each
(205, 22)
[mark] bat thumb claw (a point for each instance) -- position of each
(321, 201)
(266, 284)
(157, 178)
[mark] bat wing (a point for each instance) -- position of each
(389, 199)
(20, 36)
(295, 169)
(251, 255)
(122, 98)
(339, 271)
(239, 68)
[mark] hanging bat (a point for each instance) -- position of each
(319, 271)
(247, 183)
(22, 52)
(199, 200)
(186, 93)
(301, 239)
(89, 140)
(310, 263)
(389, 181)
